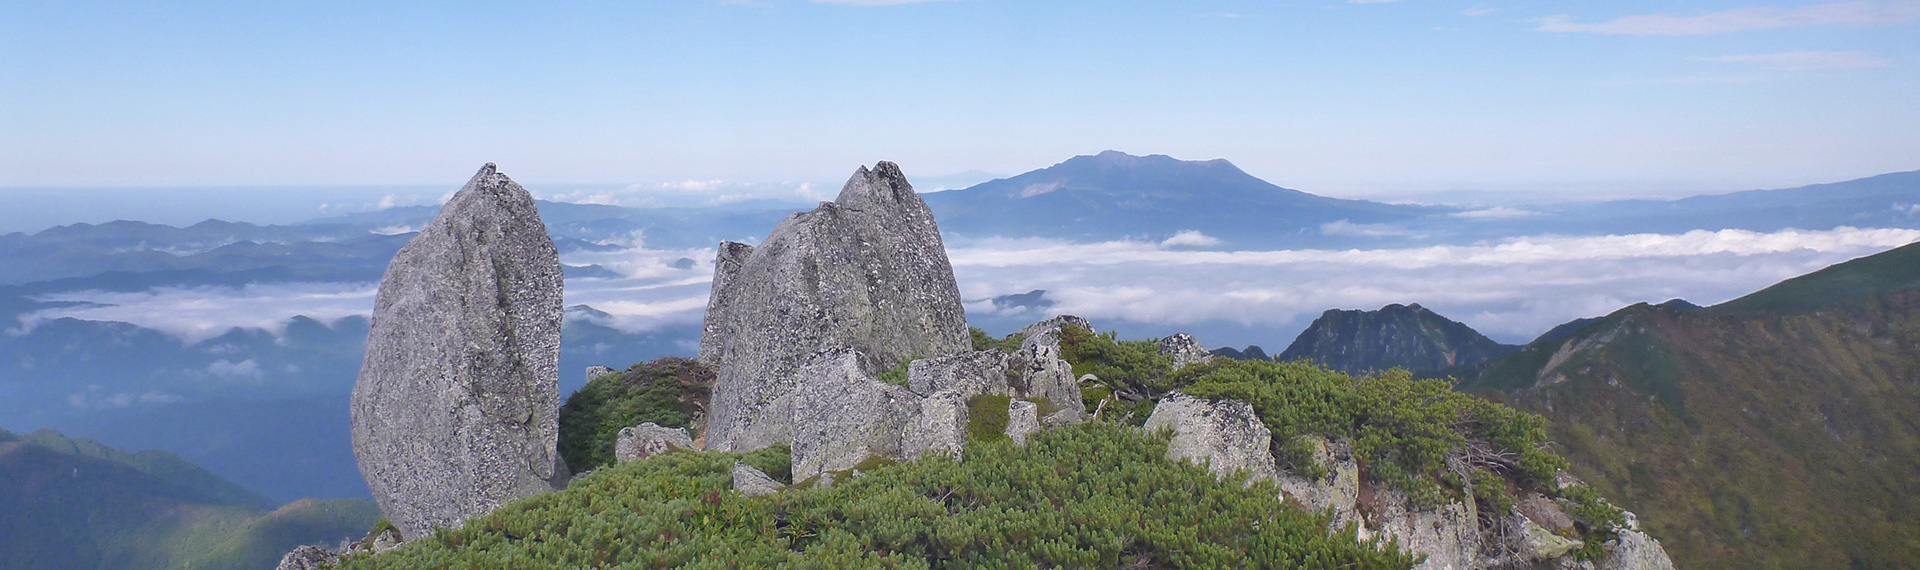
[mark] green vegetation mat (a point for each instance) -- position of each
(1093, 495)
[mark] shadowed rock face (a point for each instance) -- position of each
(455, 411)
(867, 271)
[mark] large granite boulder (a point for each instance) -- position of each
(1224, 435)
(455, 411)
(867, 271)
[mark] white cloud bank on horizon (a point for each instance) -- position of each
(1805, 60)
(1856, 13)
(1513, 289)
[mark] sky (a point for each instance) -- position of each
(1371, 98)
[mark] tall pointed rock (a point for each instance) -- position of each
(455, 411)
(866, 271)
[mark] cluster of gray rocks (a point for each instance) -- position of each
(455, 411)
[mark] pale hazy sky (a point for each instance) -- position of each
(1333, 97)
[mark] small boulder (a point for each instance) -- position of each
(1023, 418)
(1048, 331)
(1544, 512)
(1538, 543)
(1634, 550)
(1042, 373)
(1225, 435)
(752, 482)
(308, 558)
(647, 440)
(597, 371)
(1184, 350)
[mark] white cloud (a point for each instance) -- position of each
(691, 185)
(583, 196)
(386, 201)
(1805, 60)
(806, 190)
(1190, 238)
(1346, 228)
(397, 229)
(1037, 189)
(92, 399)
(1498, 212)
(1857, 13)
(195, 314)
(246, 370)
(1513, 289)
(874, 2)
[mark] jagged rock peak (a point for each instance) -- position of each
(884, 182)
(456, 407)
(867, 272)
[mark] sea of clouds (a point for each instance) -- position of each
(1512, 289)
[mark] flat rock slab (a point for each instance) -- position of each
(456, 409)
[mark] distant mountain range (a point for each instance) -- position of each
(74, 503)
(128, 384)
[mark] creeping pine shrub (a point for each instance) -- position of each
(1595, 517)
(897, 375)
(1087, 496)
(662, 392)
(984, 341)
(1401, 429)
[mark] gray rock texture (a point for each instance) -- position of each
(1537, 543)
(1184, 350)
(597, 371)
(1634, 550)
(754, 482)
(455, 411)
(1224, 435)
(1228, 436)
(971, 373)
(1048, 331)
(1042, 373)
(1023, 418)
(867, 271)
(726, 265)
(308, 558)
(941, 427)
(647, 440)
(841, 416)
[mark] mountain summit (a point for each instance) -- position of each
(1115, 195)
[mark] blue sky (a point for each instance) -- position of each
(1338, 98)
